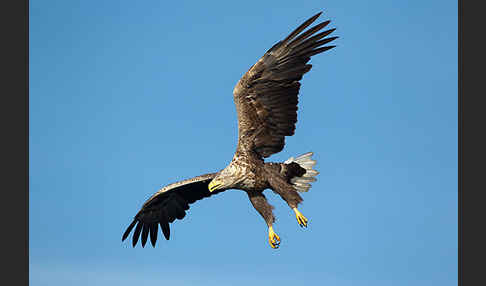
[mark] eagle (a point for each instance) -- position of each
(266, 99)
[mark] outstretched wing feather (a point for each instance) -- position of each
(167, 205)
(266, 97)
(153, 233)
(136, 233)
(145, 232)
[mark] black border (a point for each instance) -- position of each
(472, 144)
(14, 23)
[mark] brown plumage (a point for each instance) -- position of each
(266, 99)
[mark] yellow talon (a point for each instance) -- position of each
(301, 219)
(273, 238)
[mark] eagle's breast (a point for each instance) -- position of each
(251, 173)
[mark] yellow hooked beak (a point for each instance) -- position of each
(214, 185)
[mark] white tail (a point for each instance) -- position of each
(302, 184)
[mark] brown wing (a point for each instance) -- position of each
(266, 96)
(166, 205)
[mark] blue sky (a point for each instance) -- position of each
(126, 97)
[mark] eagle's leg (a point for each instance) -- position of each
(261, 204)
(301, 219)
(273, 238)
(287, 192)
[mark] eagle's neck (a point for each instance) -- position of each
(237, 171)
(244, 170)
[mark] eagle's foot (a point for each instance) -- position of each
(301, 219)
(273, 238)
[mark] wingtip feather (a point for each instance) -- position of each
(136, 233)
(128, 230)
(153, 234)
(145, 233)
(301, 27)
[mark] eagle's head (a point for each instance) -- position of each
(226, 179)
